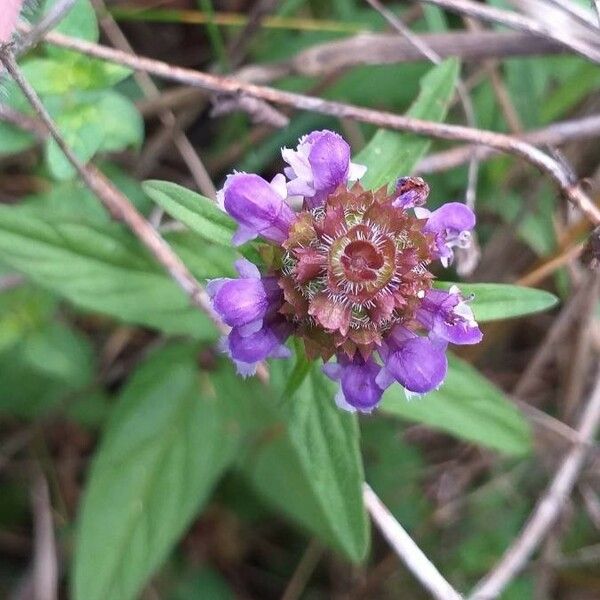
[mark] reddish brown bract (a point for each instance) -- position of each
(351, 268)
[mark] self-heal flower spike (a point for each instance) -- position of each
(347, 272)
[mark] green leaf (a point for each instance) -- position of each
(197, 212)
(47, 365)
(166, 445)
(23, 309)
(70, 73)
(122, 122)
(83, 133)
(79, 22)
(102, 268)
(469, 407)
(496, 301)
(307, 462)
(390, 154)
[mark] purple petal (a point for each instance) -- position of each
(241, 301)
(247, 269)
(448, 317)
(265, 343)
(243, 234)
(214, 285)
(257, 207)
(329, 159)
(358, 383)
(453, 217)
(418, 364)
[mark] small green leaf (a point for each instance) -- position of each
(122, 122)
(79, 22)
(390, 154)
(496, 301)
(197, 212)
(307, 461)
(166, 445)
(71, 73)
(83, 132)
(468, 406)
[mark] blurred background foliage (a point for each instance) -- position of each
(169, 477)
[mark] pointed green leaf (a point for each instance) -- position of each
(469, 407)
(496, 301)
(307, 460)
(199, 213)
(390, 154)
(167, 443)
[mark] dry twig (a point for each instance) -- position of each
(555, 134)
(215, 83)
(385, 48)
(547, 509)
(45, 558)
(519, 22)
(404, 546)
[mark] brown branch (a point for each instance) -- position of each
(404, 547)
(383, 119)
(547, 509)
(517, 21)
(45, 558)
(554, 135)
(384, 48)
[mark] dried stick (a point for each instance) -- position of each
(215, 83)
(384, 48)
(576, 12)
(519, 22)
(404, 546)
(548, 508)
(45, 558)
(555, 134)
(303, 572)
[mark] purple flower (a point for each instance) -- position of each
(338, 280)
(258, 206)
(448, 317)
(247, 351)
(244, 302)
(319, 165)
(452, 224)
(359, 390)
(411, 192)
(417, 363)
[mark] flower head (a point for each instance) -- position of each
(348, 274)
